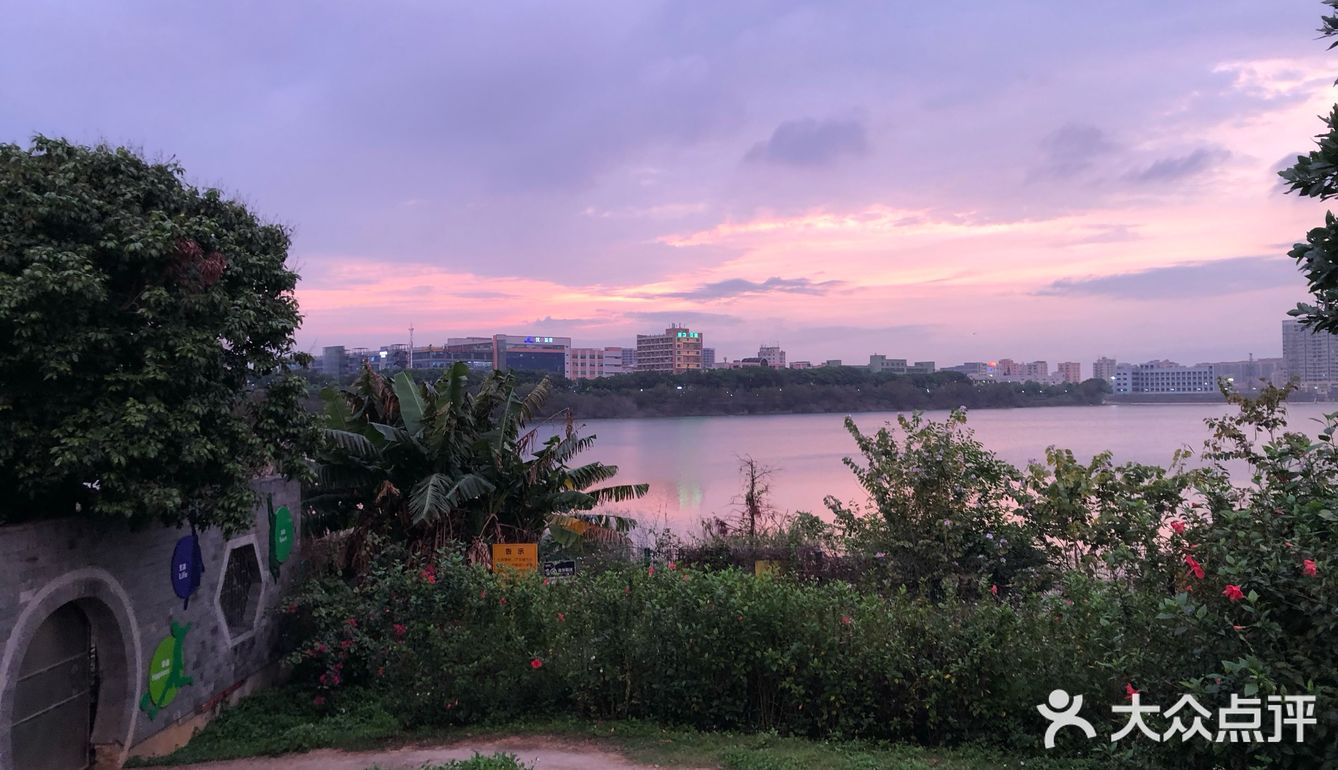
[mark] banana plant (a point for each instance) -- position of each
(437, 462)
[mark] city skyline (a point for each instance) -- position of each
(828, 175)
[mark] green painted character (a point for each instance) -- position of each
(167, 671)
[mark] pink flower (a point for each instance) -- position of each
(1233, 593)
(672, 565)
(536, 663)
(1178, 526)
(1194, 568)
(651, 571)
(1129, 690)
(502, 601)
(483, 594)
(351, 622)
(347, 643)
(562, 617)
(545, 581)
(400, 630)
(994, 589)
(1309, 568)
(845, 620)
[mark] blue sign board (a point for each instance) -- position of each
(187, 567)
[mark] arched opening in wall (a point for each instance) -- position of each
(239, 591)
(56, 694)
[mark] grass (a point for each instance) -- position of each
(276, 722)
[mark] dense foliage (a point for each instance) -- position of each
(1130, 578)
(1315, 175)
(440, 463)
(145, 332)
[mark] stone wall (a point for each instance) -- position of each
(121, 579)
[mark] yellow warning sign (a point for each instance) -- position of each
(521, 557)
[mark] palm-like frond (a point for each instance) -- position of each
(411, 402)
(352, 444)
(438, 494)
(589, 475)
(619, 494)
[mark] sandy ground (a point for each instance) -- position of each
(542, 753)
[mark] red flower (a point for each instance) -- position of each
(351, 622)
(1233, 592)
(502, 601)
(1129, 690)
(319, 700)
(672, 565)
(1194, 568)
(651, 571)
(483, 594)
(347, 643)
(400, 630)
(536, 663)
(545, 581)
(429, 574)
(845, 620)
(994, 589)
(1309, 568)
(1178, 526)
(562, 617)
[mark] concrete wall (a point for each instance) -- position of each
(121, 579)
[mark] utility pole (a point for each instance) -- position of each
(411, 346)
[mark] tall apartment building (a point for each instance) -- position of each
(676, 351)
(1164, 377)
(1007, 367)
(708, 358)
(773, 355)
(1310, 358)
(1104, 369)
(1253, 373)
(1070, 371)
(1036, 370)
(629, 360)
(591, 363)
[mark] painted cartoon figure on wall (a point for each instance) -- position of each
(167, 671)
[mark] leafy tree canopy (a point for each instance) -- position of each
(1315, 175)
(146, 329)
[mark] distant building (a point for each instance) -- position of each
(969, 368)
(881, 363)
(1070, 371)
(1310, 358)
(708, 358)
(1007, 367)
(800, 365)
(1165, 377)
(332, 361)
(1104, 369)
(832, 362)
(921, 367)
(1036, 370)
(534, 353)
(676, 351)
(773, 355)
(592, 363)
(474, 352)
(1251, 374)
(629, 360)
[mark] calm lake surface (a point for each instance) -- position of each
(692, 463)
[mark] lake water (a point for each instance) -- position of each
(692, 463)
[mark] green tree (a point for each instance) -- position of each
(146, 333)
(1315, 175)
(438, 463)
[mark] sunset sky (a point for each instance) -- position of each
(932, 180)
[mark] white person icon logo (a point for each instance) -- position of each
(1063, 712)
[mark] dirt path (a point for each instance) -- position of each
(543, 753)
